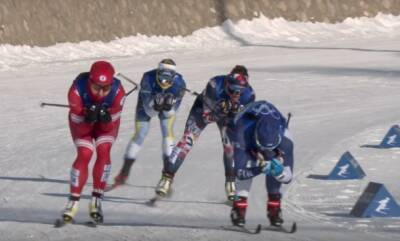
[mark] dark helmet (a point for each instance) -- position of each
(101, 73)
(165, 73)
(268, 132)
(240, 69)
(237, 80)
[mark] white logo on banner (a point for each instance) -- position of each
(382, 205)
(391, 139)
(343, 170)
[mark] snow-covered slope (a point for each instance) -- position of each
(339, 81)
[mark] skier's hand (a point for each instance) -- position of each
(104, 115)
(169, 101)
(276, 167)
(223, 107)
(91, 113)
(273, 167)
(158, 102)
(235, 107)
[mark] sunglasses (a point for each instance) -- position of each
(165, 77)
(235, 89)
(97, 88)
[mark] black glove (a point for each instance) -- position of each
(235, 107)
(91, 113)
(169, 101)
(223, 107)
(104, 115)
(158, 102)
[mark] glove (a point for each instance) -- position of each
(273, 167)
(104, 115)
(158, 102)
(223, 107)
(235, 107)
(91, 113)
(169, 101)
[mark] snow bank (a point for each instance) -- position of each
(245, 32)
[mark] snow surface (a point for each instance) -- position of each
(340, 81)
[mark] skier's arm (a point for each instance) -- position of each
(280, 166)
(76, 108)
(116, 108)
(146, 98)
(173, 100)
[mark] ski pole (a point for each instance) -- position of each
(43, 104)
(191, 92)
(289, 115)
(130, 81)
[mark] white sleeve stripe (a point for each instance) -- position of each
(286, 175)
(116, 116)
(76, 118)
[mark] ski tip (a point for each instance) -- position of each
(108, 188)
(59, 223)
(152, 202)
(258, 229)
(293, 229)
(91, 224)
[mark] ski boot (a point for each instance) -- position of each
(123, 175)
(238, 212)
(95, 209)
(274, 212)
(70, 210)
(230, 190)
(164, 185)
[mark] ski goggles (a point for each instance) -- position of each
(235, 89)
(165, 77)
(98, 88)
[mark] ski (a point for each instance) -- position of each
(152, 202)
(243, 229)
(283, 229)
(59, 223)
(112, 187)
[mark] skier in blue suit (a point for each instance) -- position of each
(262, 145)
(223, 97)
(161, 93)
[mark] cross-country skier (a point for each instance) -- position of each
(262, 144)
(222, 98)
(96, 99)
(161, 93)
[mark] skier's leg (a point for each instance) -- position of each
(274, 212)
(167, 129)
(142, 125)
(193, 128)
(79, 175)
(238, 212)
(228, 163)
(101, 172)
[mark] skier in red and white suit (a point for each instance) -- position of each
(96, 99)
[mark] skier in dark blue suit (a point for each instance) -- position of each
(262, 144)
(223, 97)
(161, 93)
